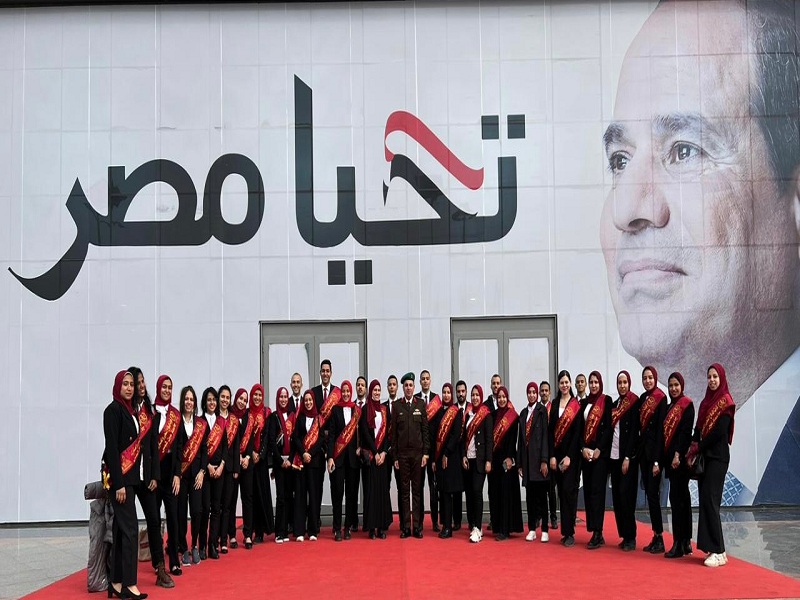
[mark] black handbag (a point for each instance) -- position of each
(698, 467)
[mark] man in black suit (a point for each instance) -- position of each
(297, 388)
(322, 390)
(410, 451)
(391, 388)
(344, 470)
(491, 401)
(461, 402)
(434, 416)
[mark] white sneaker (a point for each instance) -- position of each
(531, 536)
(716, 560)
(480, 534)
(278, 540)
(299, 538)
(724, 557)
(312, 538)
(474, 536)
(545, 537)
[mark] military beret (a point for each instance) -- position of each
(407, 377)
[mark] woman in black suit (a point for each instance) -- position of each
(532, 458)
(677, 439)
(597, 433)
(623, 460)
(713, 435)
(123, 459)
(232, 468)
(263, 519)
(505, 505)
(245, 481)
(309, 461)
(652, 410)
(448, 453)
(193, 452)
(279, 441)
(564, 432)
(478, 428)
(212, 488)
(374, 436)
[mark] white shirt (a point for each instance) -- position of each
(188, 427)
(212, 419)
(615, 439)
(471, 451)
(309, 423)
(348, 412)
(378, 423)
(162, 410)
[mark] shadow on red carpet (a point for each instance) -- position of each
(434, 568)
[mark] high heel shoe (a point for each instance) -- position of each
(127, 593)
(112, 593)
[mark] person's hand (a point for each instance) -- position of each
(676, 461)
(121, 495)
(380, 458)
(488, 466)
(397, 465)
(236, 476)
(306, 457)
(625, 464)
(553, 464)
(286, 464)
(465, 463)
(198, 480)
(330, 465)
(424, 461)
(256, 457)
(596, 454)
(656, 470)
(152, 485)
(507, 462)
(245, 462)
(566, 462)
(444, 462)
(543, 469)
(358, 451)
(519, 472)
(690, 460)
(587, 454)
(433, 467)
(176, 485)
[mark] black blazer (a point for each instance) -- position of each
(151, 460)
(335, 426)
(682, 438)
(571, 444)
(605, 432)
(507, 448)
(120, 431)
(170, 466)
(274, 440)
(531, 456)
(317, 451)
(452, 447)
(489, 403)
(248, 449)
(484, 440)
(715, 445)
(200, 461)
(232, 455)
(628, 431)
(317, 391)
(651, 440)
(218, 456)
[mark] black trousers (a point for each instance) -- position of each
(165, 496)
(231, 527)
(457, 498)
(149, 502)
(411, 490)
(245, 487)
(194, 499)
(552, 498)
(210, 518)
(400, 508)
(124, 550)
(284, 501)
(433, 492)
(595, 479)
(681, 502)
(344, 486)
(623, 494)
(228, 490)
(709, 525)
(567, 483)
(536, 499)
(307, 500)
(652, 491)
(474, 493)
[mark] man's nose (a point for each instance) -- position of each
(639, 197)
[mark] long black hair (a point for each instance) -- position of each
(203, 403)
(136, 371)
(188, 388)
(564, 373)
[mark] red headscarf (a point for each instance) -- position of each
(159, 401)
(679, 377)
(239, 413)
(283, 411)
(257, 409)
(502, 410)
(116, 391)
(478, 387)
(302, 409)
(349, 404)
(712, 397)
(631, 395)
(449, 386)
(656, 391)
(592, 398)
(532, 384)
(373, 406)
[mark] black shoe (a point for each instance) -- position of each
(381, 534)
(446, 533)
(112, 593)
(175, 570)
(347, 534)
(553, 523)
(223, 550)
(354, 529)
(127, 593)
(436, 528)
(622, 543)
(418, 533)
(594, 543)
(489, 526)
(259, 539)
(676, 551)
(656, 545)
(337, 536)
(457, 526)
(212, 553)
(203, 555)
(404, 533)
(372, 534)
(569, 541)
(248, 545)
(234, 544)
(628, 545)
(500, 537)
(687, 547)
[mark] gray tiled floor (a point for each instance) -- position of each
(32, 557)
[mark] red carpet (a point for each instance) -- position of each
(431, 568)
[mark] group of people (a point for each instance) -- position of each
(197, 459)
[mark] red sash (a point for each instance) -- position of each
(170, 431)
(480, 415)
(503, 425)
(215, 436)
(528, 423)
(232, 427)
(724, 405)
(248, 432)
(381, 434)
(593, 420)
(261, 421)
(287, 427)
(334, 396)
(673, 419)
(346, 436)
(445, 426)
(312, 435)
(566, 419)
(129, 456)
(192, 446)
(624, 406)
(648, 408)
(433, 407)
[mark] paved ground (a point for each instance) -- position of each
(33, 557)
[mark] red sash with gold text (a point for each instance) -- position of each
(593, 420)
(232, 428)
(648, 408)
(503, 425)
(192, 446)
(433, 407)
(311, 437)
(129, 456)
(332, 400)
(480, 415)
(722, 406)
(261, 421)
(445, 426)
(346, 436)
(248, 432)
(624, 406)
(215, 436)
(170, 431)
(287, 427)
(566, 419)
(673, 419)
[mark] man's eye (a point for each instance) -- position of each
(683, 151)
(617, 162)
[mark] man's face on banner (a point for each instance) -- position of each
(699, 241)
